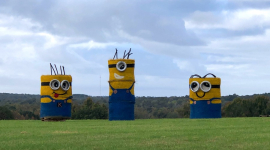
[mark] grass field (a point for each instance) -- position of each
(217, 134)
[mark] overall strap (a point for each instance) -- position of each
(48, 96)
(111, 86)
(131, 86)
(213, 99)
(205, 100)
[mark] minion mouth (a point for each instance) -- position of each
(56, 94)
(118, 76)
(200, 96)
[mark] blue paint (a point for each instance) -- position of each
(48, 96)
(51, 109)
(203, 110)
(121, 104)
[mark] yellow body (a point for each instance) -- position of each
(127, 76)
(46, 90)
(213, 93)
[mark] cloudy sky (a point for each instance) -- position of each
(170, 40)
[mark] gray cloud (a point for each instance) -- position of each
(242, 4)
(102, 20)
(225, 33)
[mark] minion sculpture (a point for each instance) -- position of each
(56, 96)
(121, 87)
(205, 96)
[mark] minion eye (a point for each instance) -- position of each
(206, 86)
(194, 86)
(121, 66)
(54, 84)
(65, 85)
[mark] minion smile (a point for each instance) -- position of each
(56, 94)
(200, 96)
(118, 76)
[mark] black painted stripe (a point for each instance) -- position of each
(215, 86)
(131, 65)
(45, 83)
(48, 83)
(112, 66)
(128, 65)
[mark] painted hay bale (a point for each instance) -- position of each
(205, 96)
(56, 97)
(121, 89)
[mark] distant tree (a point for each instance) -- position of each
(234, 108)
(99, 111)
(5, 113)
(184, 110)
(29, 115)
(173, 114)
(260, 104)
(141, 113)
(252, 107)
(90, 110)
(88, 103)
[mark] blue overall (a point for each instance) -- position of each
(51, 110)
(204, 110)
(121, 104)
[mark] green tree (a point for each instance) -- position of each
(234, 108)
(90, 110)
(5, 113)
(184, 110)
(260, 104)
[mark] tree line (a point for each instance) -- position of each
(252, 107)
(26, 106)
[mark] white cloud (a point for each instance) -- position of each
(242, 19)
(192, 66)
(92, 45)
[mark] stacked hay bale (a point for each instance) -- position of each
(205, 96)
(121, 88)
(56, 96)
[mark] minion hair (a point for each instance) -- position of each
(56, 68)
(62, 69)
(129, 53)
(124, 54)
(195, 75)
(209, 74)
(52, 69)
(115, 55)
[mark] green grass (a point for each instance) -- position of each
(226, 133)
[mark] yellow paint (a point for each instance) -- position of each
(128, 75)
(46, 90)
(45, 100)
(216, 101)
(213, 93)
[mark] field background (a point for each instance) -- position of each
(225, 133)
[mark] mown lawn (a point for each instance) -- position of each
(217, 134)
